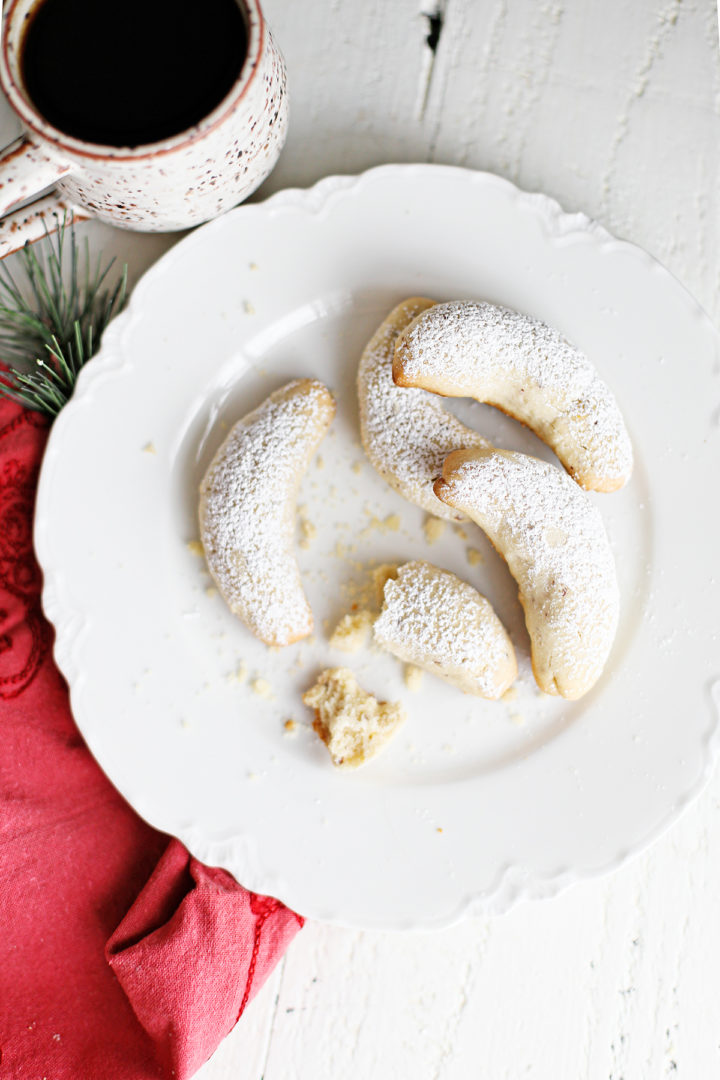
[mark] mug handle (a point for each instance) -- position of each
(26, 171)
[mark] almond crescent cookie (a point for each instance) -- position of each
(556, 548)
(407, 434)
(527, 369)
(247, 510)
(435, 621)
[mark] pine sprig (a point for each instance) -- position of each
(52, 323)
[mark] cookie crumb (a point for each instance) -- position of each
(240, 673)
(391, 523)
(289, 727)
(261, 687)
(474, 557)
(320, 462)
(195, 547)
(352, 632)
(356, 467)
(433, 527)
(149, 448)
(308, 532)
(413, 677)
(248, 308)
(211, 591)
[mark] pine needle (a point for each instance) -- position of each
(52, 323)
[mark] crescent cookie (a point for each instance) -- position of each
(528, 370)
(247, 510)
(407, 434)
(435, 621)
(556, 548)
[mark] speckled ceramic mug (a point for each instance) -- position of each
(173, 184)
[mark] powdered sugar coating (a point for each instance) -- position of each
(530, 371)
(247, 510)
(556, 548)
(407, 434)
(435, 621)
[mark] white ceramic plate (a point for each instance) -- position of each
(474, 804)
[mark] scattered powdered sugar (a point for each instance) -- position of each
(435, 621)
(555, 544)
(247, 509)
(530, 371)
(407, 434)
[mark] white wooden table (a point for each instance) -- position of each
(612, 108)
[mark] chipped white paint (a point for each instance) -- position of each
(613, 109)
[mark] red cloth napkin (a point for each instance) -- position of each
(121, 957)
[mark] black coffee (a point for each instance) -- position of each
(131, 73)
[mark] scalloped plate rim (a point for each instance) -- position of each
(513, 882)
